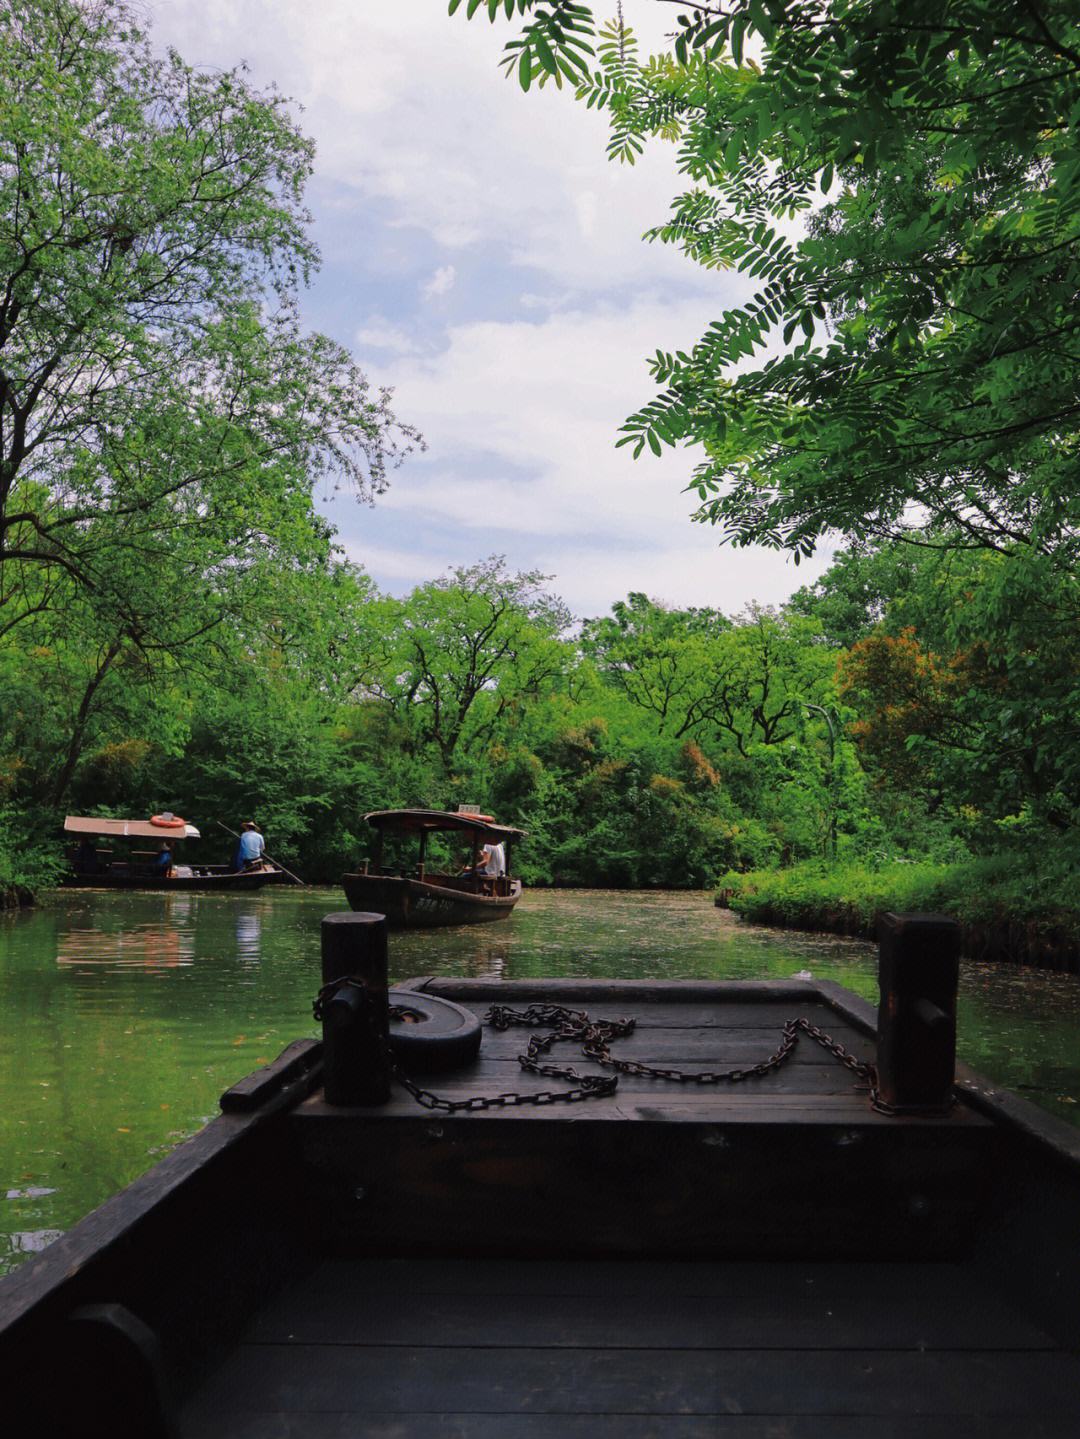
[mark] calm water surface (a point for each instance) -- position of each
(124, 1016)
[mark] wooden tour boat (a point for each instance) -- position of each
(759, 1253)
(96, 865)
(423, 899)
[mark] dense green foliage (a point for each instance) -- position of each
(654, 747)
(651, 746)
(163, 415)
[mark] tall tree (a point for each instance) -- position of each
(670, 663)
(472, 647)
(154, 377)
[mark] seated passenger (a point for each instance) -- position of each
(490, 865)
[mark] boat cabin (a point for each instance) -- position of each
(478, 831)
(95, 854)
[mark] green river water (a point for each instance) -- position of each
(124, 1016)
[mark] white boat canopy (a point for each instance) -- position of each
(128, 829)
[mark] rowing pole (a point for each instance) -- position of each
(270, 857)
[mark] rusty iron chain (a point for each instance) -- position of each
(595, 1036)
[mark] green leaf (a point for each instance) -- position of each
(543, 51)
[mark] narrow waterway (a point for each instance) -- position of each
(124, 1016)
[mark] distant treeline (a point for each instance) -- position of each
(914, 704)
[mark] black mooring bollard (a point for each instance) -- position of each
(355, 1017)
(918, 970)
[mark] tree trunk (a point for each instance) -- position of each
(82, 719)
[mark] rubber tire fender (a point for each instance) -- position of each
(445, 1037)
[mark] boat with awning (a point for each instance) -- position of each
(124, 854)
(418, 897)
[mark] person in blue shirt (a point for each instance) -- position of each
(250, 850)
(163, 863)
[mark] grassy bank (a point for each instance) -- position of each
(1019, 906)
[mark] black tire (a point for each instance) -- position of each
(438, 1037)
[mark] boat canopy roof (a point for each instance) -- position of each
(418, 820)
(127, 829)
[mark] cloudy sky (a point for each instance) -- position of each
(482, 257)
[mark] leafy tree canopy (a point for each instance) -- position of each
(154, 378)
(901, 179)
(470, 649)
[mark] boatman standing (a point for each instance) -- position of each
(249, 851)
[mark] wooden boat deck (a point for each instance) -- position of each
(387, 1337)
(507, 1349)
(765, 1260)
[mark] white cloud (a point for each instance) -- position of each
(379, 334)
(546, 398)
(441, 283)
(521, 417)
(409, 106)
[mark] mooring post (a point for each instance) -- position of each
(918, 971)
(356, 1016)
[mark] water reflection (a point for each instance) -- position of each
(147, 946)
(248, 935)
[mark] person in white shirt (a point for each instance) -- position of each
(492, 861)
(490, 864)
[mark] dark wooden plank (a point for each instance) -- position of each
(610, 991)
(764, 1187)
(108, 1233)
(642, 1280)
(655, 1043)
(294, 1425)
(295, 1062)
(588, 1381)
(335, 1307)
(686, 1014)
(496, 1076)
(650, 1100)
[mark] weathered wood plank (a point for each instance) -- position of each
(496, 1076)
(652, 1100)
(657, 1044)
(619, 1426)
(642, 1280)
(609, 991)
(109, 1229)
(792, 1186)
(635, 1381)
(680, 1014)
(295, 1063)
(768, 1308)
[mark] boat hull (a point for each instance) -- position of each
(218, 883)
(416, 904)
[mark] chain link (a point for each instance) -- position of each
(595, 1036)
